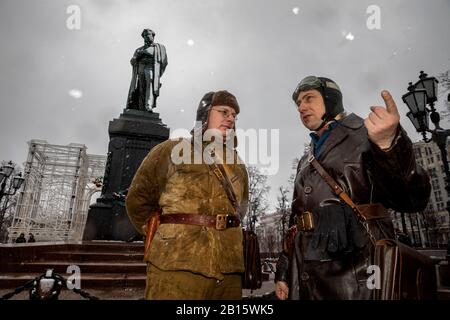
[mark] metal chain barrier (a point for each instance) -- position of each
(47, 287)
(85, 294)
(18, 290)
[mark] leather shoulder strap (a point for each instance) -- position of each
(221, 174)
(342, 194)
(334, 186)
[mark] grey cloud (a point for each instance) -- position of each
(257, 49)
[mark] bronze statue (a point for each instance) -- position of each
(149, 63)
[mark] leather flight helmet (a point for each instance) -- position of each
(329, 90)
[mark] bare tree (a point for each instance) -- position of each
(283, 208)
(270, 241)
(432, 224)
(294, 165)
(444, 92)
(444, 80)
(258, 191)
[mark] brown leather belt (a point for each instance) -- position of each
(220, 221)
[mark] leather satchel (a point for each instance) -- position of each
(252, 277)
(405, 272)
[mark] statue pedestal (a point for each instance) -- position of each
(131, 136)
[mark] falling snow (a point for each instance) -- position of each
(349, 36)
(75, 93)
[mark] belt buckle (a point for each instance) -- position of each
(221, 221)
(218, 173)
(305, 221)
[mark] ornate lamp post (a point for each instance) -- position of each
(14, 184)
(421, 94)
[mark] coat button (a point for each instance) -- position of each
(304, 276)
(307, 190)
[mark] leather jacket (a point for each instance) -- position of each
(368, 175)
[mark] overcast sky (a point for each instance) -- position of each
(64, 86)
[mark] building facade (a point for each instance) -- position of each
(270, 231)
(431, 226)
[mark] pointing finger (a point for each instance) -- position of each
(391, 107)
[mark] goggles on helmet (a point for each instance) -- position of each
(312, 82)
(308, 83)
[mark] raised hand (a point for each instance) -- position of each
(382, 122)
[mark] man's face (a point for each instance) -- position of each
(311, 107)
(222, 118)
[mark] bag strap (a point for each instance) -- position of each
(221, 174)
(340, 193)
(334, 186)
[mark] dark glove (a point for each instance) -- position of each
(331, 233)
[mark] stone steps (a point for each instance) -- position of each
(85, 266)
(91, 256)
(115, 265)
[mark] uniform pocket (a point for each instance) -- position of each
(167, 231)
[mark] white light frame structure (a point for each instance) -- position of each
(59, 184)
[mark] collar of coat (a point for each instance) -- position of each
(340, 132)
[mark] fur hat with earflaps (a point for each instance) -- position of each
(211, 99)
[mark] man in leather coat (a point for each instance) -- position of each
(372, 160)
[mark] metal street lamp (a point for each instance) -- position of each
(8, 169)
(416, 102)
(14, 184)
(18, 181)
(430, 85)
(422, 93)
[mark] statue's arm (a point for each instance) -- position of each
(133, 60)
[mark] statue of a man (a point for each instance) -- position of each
(149, 63)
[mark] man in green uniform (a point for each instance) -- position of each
(193, 255)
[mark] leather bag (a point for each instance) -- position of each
(252, 277)
(405, 272)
